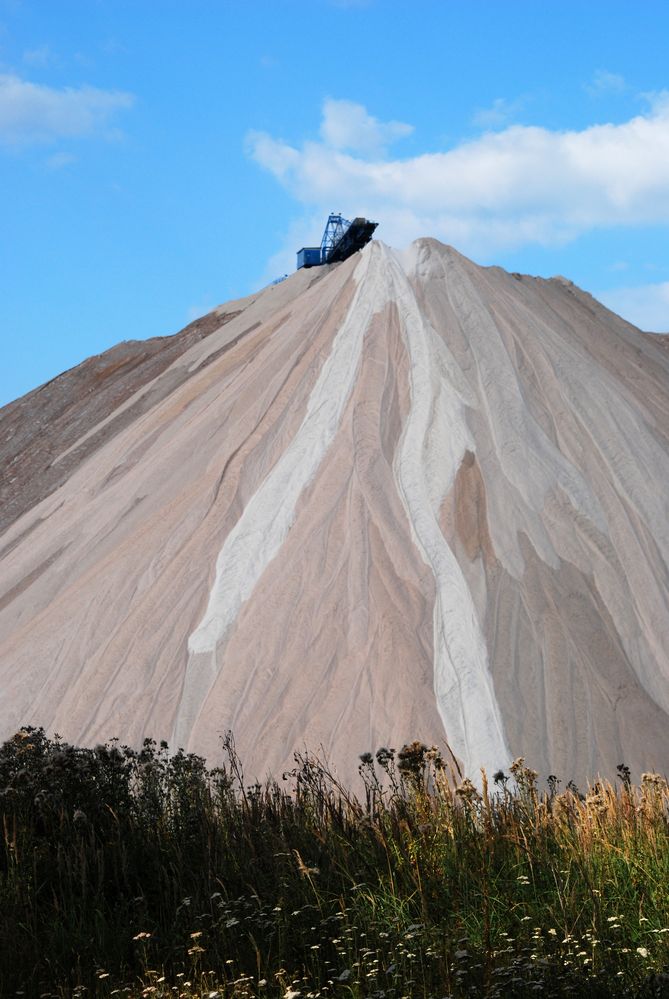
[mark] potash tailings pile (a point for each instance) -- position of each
(401, 496)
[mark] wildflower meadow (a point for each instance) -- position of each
(146, 873)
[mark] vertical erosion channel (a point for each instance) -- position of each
(432, 447)
(260, 531)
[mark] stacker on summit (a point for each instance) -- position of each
(341, 240)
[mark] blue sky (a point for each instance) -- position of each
(158, 157)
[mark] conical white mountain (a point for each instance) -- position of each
(399, 497)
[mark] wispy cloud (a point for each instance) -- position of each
(603, 83)
(39, 57)
(34, 113)
(646, 305)
(60, 160)
(503, 189)
(349, 126)
(501, 112)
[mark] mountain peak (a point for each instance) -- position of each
(399, 497)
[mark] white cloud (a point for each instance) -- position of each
(59, 160)
(500, 112)
(603, 82)
(33, 113)
(40, 57)
(504, 189)
(280, 158)
(347, 125)
(646, 305)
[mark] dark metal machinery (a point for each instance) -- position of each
(341, 239)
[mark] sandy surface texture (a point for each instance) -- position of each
(400, 497)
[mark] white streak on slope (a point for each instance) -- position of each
(433, 444)
(260, 531)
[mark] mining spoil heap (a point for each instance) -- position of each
(399, 497)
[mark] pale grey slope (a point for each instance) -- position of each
(402, 497)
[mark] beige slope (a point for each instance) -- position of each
(401, 497)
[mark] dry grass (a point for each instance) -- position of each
(125, 873)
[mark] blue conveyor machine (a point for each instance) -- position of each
(340, 240)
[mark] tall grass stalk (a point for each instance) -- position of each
(144, 873)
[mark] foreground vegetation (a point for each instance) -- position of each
(145, 874)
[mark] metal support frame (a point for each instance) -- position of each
(341, 239)
(334, 231)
